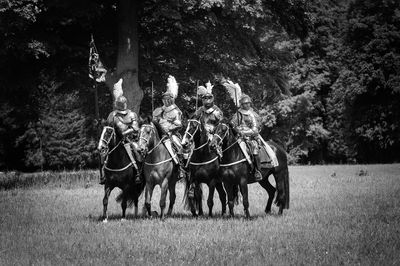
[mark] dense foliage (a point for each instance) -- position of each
(324, 75)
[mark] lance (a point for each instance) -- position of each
(236, 107)
(152, 98)
(197, 94)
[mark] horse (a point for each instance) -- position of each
(203, 165)
(236, 171)
(159, 167)
(118, 171)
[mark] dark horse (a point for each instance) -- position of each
(159, 167)
(118, 170)
(203, 165)
(236, 171)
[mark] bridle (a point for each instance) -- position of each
(198, 123)
(106, 152)
(227, 148)
(147, 140)
(222, 138)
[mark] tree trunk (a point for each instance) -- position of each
(128, 53)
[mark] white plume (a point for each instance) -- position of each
(234, 91)
(172, 86)
(201, 90)
(209, 87)
(117, 89)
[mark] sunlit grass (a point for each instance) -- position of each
(337, 216)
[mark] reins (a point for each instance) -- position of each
(113, 149)
(199, 147)
(230, 146)
(158, 144)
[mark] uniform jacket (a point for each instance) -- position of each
(210, 117)
(170, 118)
(123, 121)
(248, 122)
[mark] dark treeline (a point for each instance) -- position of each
(324, 75)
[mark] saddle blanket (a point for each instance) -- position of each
(266, 161)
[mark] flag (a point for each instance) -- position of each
(96, 69)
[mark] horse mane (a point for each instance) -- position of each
(232, 127)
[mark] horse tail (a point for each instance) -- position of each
(286, 183)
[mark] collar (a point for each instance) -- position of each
(209, 110)
(124, 112)
(246, 112)
(169, 108)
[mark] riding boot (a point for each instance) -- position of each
(257, 168)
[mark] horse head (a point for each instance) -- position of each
(220, 136)
(149, 136)
(194, 125)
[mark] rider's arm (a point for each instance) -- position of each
(134, 122)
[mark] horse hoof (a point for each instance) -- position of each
(105, 221)
(154, 213)
(123, 219)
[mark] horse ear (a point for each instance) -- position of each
(103, 123)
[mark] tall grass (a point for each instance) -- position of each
(64, 179)
(339, 215)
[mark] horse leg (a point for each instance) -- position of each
(123, 206)
(107, 191)
(172, 197)
(210, 200)
(231, 198)
(164, 191)
(271, 193)
(245, 194)
(222, 196)
(199, 198)
(148, 195)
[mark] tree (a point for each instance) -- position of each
(367, 89)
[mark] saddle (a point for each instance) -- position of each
(265, 159)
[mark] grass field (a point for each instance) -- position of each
(338, 215)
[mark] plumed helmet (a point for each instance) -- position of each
(205, 91)
(245, 99)
(121, 103)
(172, 88)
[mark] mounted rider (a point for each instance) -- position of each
(169, 116)
(246, 122)
(126, 122)
(209, 114)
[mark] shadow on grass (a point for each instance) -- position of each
(183, 216)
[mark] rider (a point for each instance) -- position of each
(246, 123)
(126, 121)
(209, 114)
(169, 116)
